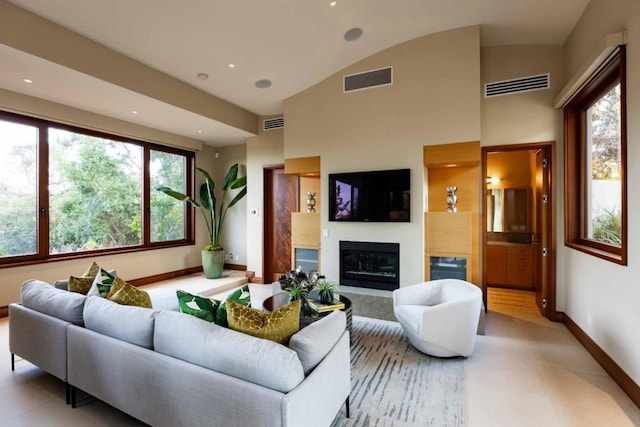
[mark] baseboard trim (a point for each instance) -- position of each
(236, 267)
(4, 311)
(608, 364)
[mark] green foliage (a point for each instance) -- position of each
(213, 212)
(607, 228)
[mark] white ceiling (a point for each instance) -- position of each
(295, 44)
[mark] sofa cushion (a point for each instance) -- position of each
(241, 296)
(102, 283)
(42, 297)
(276, 326)
(127, 323)
(316, 340)
(127, 294)
(211, 346)
(197, 305)
(80, 285)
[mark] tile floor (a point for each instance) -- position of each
(526, 371)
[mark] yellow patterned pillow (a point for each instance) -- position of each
(80, 285)
(276, 326)
(92, 271)
(126, 294)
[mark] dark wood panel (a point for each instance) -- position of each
(281, 199)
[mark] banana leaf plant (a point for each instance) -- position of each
(213, 212)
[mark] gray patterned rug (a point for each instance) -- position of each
(392, 384)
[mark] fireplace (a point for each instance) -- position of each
(370, 265)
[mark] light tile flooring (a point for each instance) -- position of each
(526, 371)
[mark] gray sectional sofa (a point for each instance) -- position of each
(166, 368)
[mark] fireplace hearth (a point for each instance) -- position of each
(372, 265)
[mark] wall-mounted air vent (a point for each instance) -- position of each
(271, 124)
(368, 79)
(523, 84)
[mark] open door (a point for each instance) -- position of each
(543, 229)
(542, 226)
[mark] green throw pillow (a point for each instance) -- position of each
(199, 306)
(277, 326)
(126, 294)
(102, 283)
(240, 296)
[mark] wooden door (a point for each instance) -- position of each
(280, 199)
(543, 228)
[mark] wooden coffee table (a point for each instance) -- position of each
(278, 300)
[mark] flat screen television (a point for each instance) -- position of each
(374, 196)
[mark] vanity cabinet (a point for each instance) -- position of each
(511, 265)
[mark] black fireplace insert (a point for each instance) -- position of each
(370, 265)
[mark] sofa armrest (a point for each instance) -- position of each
(39, 338)
(317, 400)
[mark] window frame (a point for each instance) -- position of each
(612, 71)
(42, 254)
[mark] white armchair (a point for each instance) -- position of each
(440, 317)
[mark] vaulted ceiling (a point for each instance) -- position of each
(293, 44)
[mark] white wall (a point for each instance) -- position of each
(433, 100)
(602, 297)
(263, 150)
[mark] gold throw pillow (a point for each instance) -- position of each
(276, 326)
(126, 294)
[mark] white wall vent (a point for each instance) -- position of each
(523, 84)
(368, 79)
(271, 124)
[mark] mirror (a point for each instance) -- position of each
(508, 210)
(494, 210)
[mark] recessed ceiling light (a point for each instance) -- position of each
(262, 84)
(232, 65)
(333, 3)
(134, 112)
(203, 76)
(353, 34)
(199, 130)
(26, 80)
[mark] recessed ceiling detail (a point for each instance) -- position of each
(353, 34)
(263, 84)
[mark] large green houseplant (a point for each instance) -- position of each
(214, 214)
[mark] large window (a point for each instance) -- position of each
(68, 191)
(595, 160)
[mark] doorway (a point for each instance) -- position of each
(518, 222)
(280, 200)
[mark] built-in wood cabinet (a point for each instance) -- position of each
(511, 265)
(305, 240)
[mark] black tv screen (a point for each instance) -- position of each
(374, 196)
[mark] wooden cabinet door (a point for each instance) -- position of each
(496, 264)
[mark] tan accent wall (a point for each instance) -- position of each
(433, 100)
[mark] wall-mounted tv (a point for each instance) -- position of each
(374, 196)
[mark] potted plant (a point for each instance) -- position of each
(214, 214)
(326, 290)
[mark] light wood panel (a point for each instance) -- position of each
(467, 181)
(305, 229)
(452, 155)
(449, 232)
(303, 166)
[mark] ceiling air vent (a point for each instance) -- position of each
(523, 84)
(271, 124)
(368, 79)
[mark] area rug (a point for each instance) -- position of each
(394, 385)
